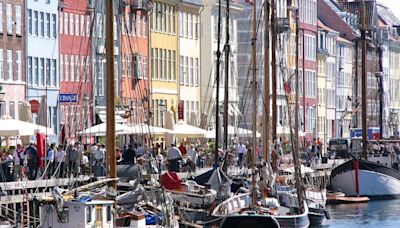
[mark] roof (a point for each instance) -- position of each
(340, 39)
(324, 27)
(92, 202)
(193, 2)
(387, 15)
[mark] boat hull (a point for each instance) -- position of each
(374, 180)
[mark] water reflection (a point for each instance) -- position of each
(385, 213)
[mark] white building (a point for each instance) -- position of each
(42, 58)
(189, 58)
(209, 44)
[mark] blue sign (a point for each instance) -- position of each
(68, 98)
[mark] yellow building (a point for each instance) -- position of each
(163, 46)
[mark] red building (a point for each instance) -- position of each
(76, 87)
(308, 67)
(134, 45)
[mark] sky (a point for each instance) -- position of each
(394, 5)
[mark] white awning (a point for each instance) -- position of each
(118, 119)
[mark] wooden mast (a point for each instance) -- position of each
(266, 122)
(254, 114)
(273, 63)
(110, 91)
(295, 140)
(364, 80)
(217, 89)
(227, 50)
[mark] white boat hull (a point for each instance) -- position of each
(194, 199)
(372, 183)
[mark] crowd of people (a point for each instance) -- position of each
(21, 163)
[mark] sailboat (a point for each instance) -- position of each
(358, 176)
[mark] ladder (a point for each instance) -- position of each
(25, 210)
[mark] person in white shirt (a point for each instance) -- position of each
(242, 150)
(60, 158)
(192, 158)
(19, 159)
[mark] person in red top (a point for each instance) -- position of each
(183, 150)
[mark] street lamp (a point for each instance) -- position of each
(2, 93)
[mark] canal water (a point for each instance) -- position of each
(374, 214)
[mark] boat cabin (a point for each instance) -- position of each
(96, 213)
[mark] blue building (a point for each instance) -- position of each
(99, 58)
(42, 58)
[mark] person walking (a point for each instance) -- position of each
(174, 157)
(129, 156)
(32, 157)
(50, 159)
(72, 160)
(59, 158)
(19, 159)
(242, 150)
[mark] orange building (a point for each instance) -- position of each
(134, 90)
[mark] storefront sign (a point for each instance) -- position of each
(68, 98)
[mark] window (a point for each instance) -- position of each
(48, 68)
(173, 66)
(76, 25)
(82, 25)
(152, 63)
(9, 19)
(29, 68)
(66, 67)
(144, 26)
(78, 69)
(181, 70)
(196, 72)
(12, 109)
(180, 24)
(168, 21)
(72, 62)
(47, 28)
(71, 24)
(66, 23)
(62, 67)
(165, 64)
(54, 72)
(186, 72)
(138, 26)
(144, 60)
(133, 27)
(18, 25)
(61, 18)
(9, 65)
(88, 28)
(19, 65)
(1, 65)
(184, 24)
(196, 27)
(190, 24)
(123, 61)
(169, 65)
(35, 23)
(42, 24)
(115, 34)
(129, 67)
(1, 17)
(36, 71)
(156, 63)
(100, 78)
(54, 26)
(42, 74)
(191, 82)
(99, 23)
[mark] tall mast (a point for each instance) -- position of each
(266, 121)
(381, 92)
(217, 79)
(254, 90)
(295, 140)
(227, 50)
(273, 44)
(110, 90)
(364, 79)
